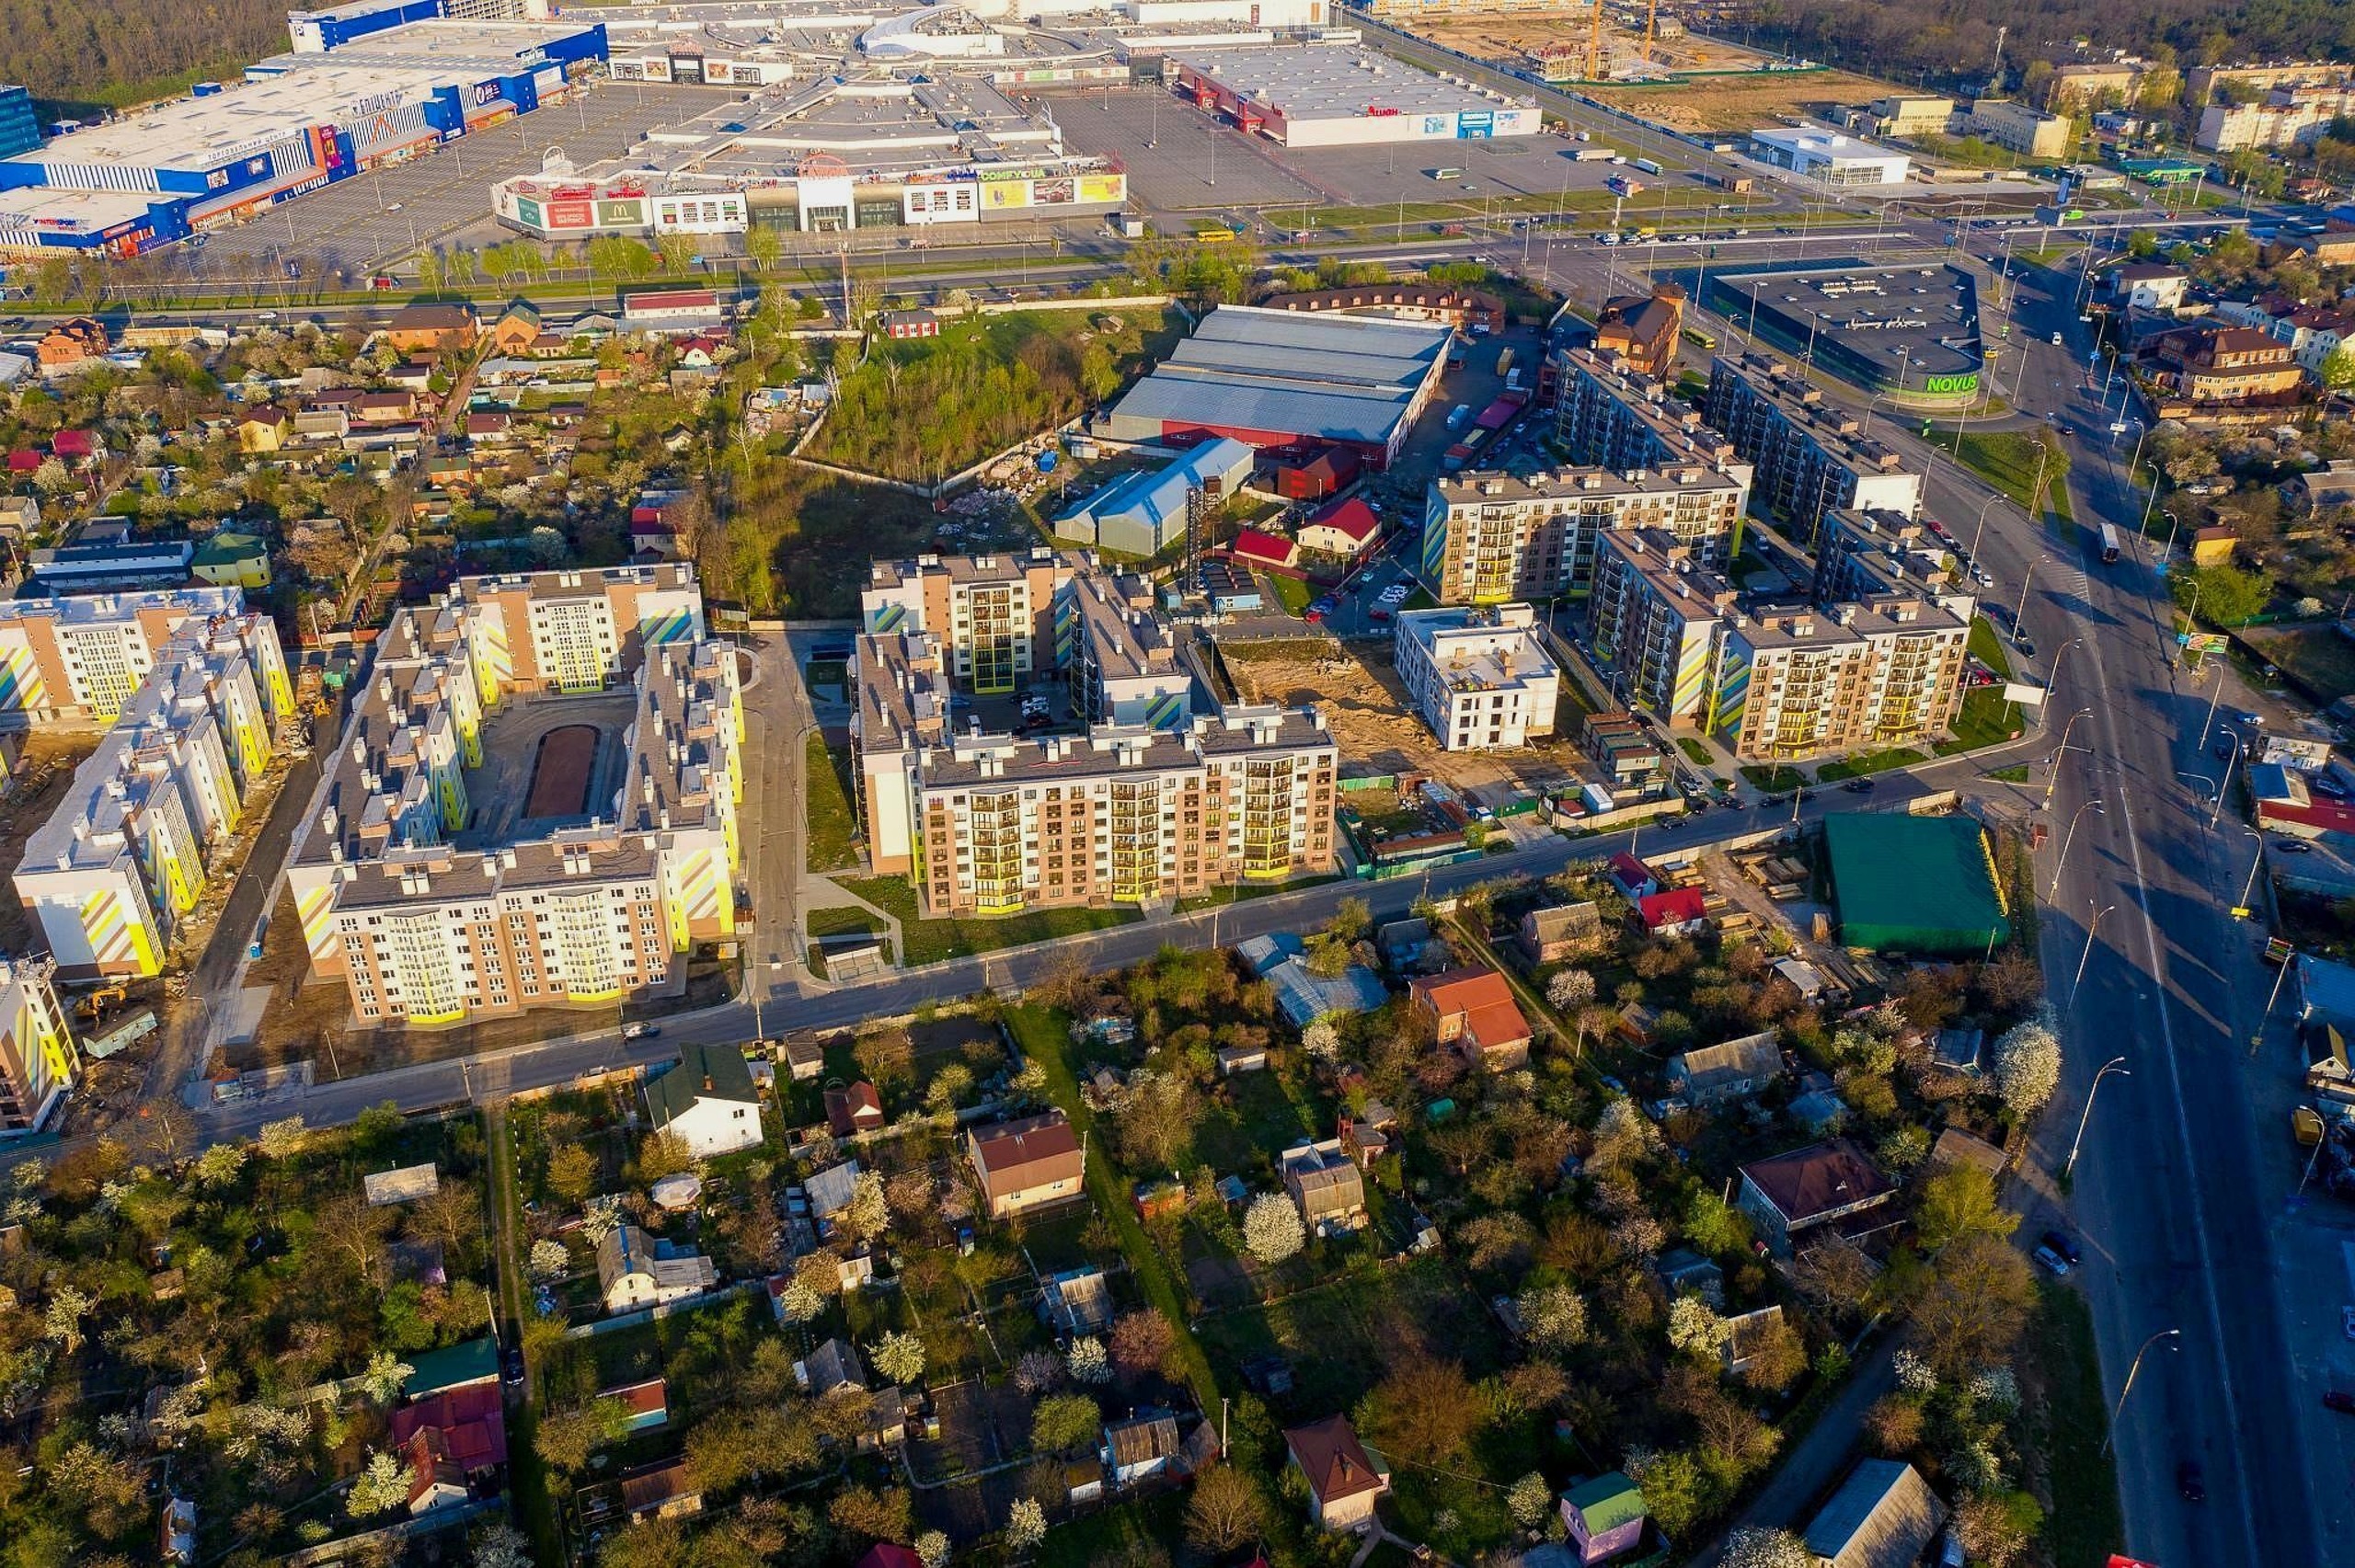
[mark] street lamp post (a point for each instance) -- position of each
(2174, 1335)
(1981, 527)
(2086, 958)
(2174, 523)
(2115, 1064)
(2224, 780)
(2053, 682)
(2061, 752)
(2243, 909)
(2067, 839)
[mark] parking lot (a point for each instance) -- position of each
(363, 223)
(1181, 160)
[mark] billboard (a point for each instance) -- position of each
(621, 212)
(1103, 188)
(572, 214)
(1000, 195)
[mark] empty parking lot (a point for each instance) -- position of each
(365, 223)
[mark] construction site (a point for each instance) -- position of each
(1368, 711)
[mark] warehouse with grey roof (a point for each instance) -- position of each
(1274, 378)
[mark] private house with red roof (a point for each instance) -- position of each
(1311, 475)
(890, 1554)
(1676, 912)
(1472, 1012)
(1025, 1164)
(1344, 1477)
(1825, 1184)
(77, 449)
(1632, 876)
(24, 461)
(1346, 528)
(858, 1108)
(1252, 547)
(645, 1406)
(451, 1442)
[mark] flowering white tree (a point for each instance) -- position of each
(932, 1550)
(1530, 1500)
(899, 1356)
(386, 1374)
(1694, 1326)
(1321, 1041)
(282, 1138)
(1751, 1546)
(1271, 1227)
(2027, 1064)
(1623, 1134)
(1037, 1371)
(549, 1260)
(1553, 1317)
(1088, 1362)
(381, 1486)
(60, 1324)
(801, 1301)
(1569, 989)
(502, 1546)
(1025, 1525)
(1915, 1373)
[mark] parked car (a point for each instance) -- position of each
(1858, 787)
(2065, 1244)
(2293, 846)
(510, 1362)
(2346, 1321)
(2053, 1261)
(2189, 1483)
(639, 1030)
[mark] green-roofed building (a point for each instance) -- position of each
(1913, 884)
(1604, 1516)
(454, 1366)
(708, 1099)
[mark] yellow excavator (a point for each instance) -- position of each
(94, 1004)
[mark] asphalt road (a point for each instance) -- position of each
(2179, 1192)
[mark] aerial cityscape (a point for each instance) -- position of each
(1177, 783)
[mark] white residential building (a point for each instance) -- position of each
(1830, 158)
(1481, 677)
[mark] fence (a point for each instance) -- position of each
(392, 1535)
(667, 1309)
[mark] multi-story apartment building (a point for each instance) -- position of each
(1798, 681)
(81, 657)
(120, 863)
(1810, 456)
(1903, 115)
(994, 615)
(1611, 415)
(1654, 618)
(2017, 127)
(1480, 677)
(2291, 116)
(1879, 663)
(38, 1059)
(436, 901)
(1861, 553)
(1122, 662)
(1153, 802)
(1491, 538)
(2083, 85)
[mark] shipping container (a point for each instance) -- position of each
(1504, 359)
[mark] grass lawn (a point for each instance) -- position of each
(1243, 892)
(2319, 657)
(1694, 753)
(2007, 460)
(833, 843)
(1988, 648)
(1291, 593)
(841, 920)
(2015, 774)
(1985, 719)
(2087, 1522)
(1870, 762)
(930, 940)
(1773, 781)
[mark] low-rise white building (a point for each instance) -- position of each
(1481, 677)
(1829, 158)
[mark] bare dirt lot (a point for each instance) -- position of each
(1520, 35)
(43, 769)
(1357, 687)
(1739, 103)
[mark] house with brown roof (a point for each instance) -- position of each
(265, 427)
(450, 1442)
(517, 330)
(1326, 1186)
(1956, 1147)
(71, 342)
(1472, 1013)
(1833, 1184)
(1643, 329)
(2229, 364)
(1344, 1476)
(429, 326)
(664, 1492)
(1025, 1164)
(1140, 1447)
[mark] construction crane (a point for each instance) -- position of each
(1651, 19)
(1594, 46)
